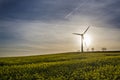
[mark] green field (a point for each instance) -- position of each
(64, 66)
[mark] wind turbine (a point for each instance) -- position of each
(82, 38)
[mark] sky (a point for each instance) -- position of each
(37, 27)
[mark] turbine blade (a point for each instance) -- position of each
(77, 34)
(86, 30)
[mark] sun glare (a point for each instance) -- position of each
(87, 40)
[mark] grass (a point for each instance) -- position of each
(65, 66)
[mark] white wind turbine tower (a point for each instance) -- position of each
(82, 38)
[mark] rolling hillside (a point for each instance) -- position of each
(64, 66)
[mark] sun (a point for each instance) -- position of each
(87, 40)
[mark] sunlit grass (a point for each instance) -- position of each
(67, 66)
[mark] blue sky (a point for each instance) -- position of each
(30, 27)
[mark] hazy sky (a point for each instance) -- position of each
(30, 27)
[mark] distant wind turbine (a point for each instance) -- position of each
(82, 38)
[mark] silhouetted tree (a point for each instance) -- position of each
(104, 49)
(87, 49)
(92, 49)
